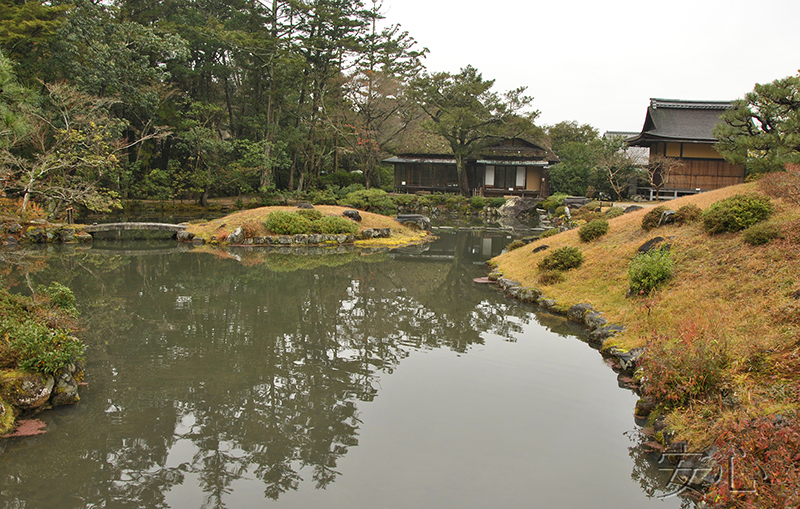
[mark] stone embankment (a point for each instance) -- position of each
(597, 325)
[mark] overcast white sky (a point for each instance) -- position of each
(600, 62)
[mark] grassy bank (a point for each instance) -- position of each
(253, 222)
(722, 361)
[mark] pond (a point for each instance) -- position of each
(255, 379)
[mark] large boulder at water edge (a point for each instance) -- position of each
(516, 205)
(418, 220)
(25, 391)
(65, 390)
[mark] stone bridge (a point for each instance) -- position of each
(121, 227)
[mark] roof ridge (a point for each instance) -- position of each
(689, 104)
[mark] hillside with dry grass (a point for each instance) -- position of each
(722, 335)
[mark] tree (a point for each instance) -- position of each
(762, 131)
(462, 110)
(659, 169)
(615, 164)
(566, 132)
(375, 91)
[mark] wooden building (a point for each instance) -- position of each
(685, 130)
(513, 166)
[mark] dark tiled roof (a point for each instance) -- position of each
(677, 120)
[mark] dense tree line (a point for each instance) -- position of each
(190, 98)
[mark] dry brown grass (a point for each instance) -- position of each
(401, 235)
(730, 294)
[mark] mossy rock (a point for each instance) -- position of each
(6, 418)
(26, 391)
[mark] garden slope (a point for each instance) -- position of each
(741, 299)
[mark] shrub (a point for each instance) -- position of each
(326, 197)
(551, 277)
(593, 230)
(403, 200)
(553, 201)
(496, 202)
(559, 211)
(455, 201)
(761, 233)
(373, 200)
(310, 214)
(515, 245)
(652, 217)
(42, 349)
(736, 213)
(649, 270)
(61, 297)
(252, 229)
(549, 233)
(689, 213)
(477, 202)
(287, 223)
(564, 258)
(614, 212)
(334, 225)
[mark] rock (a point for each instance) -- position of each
(284, 240)
(546, 303)
(578, 311)
(644, 407)
(628, 361)
(315, 238)
(515, 206)
(601, 333)
(65, 391)
(11, 241)
(13, 228)
(184, 236)
(594, 320)
(540, 248)
(304, 205)
(667, 217)
(418, 220)
(36, 235)
(198, 241)
(352, 214)
(66, 234)
(575, 202)
(632, 208)
(651, 244)
(83, 237)
(6, 418)
(26, 391)
(237, 237)
(300, 238)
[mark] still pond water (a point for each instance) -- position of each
(249, 379)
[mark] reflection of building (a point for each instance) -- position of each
(684, 130)
(514, 166)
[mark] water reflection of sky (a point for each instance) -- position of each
(388, 380)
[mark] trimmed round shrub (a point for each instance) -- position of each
(593, 230)
(553, 201)
(687, 214)
(334, 225)
(563, 258)
(496, 202)
(515, 245)
(373, 200)
(477, 202)
(736, 213)
(282, 222)
(559, 211)
(761, 233)
(649, 270)
(310, 214)
(614, 212)
(652, 217)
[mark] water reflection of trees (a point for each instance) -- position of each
(256, 372)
